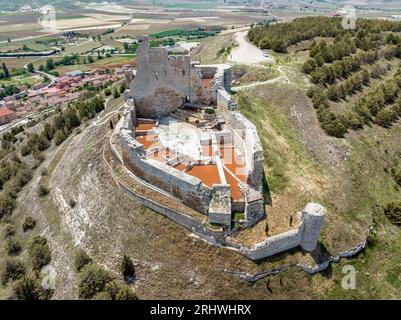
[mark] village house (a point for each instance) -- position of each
(6, 115)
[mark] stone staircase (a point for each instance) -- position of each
(242, 186)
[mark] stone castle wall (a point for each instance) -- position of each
(249, 141)
(190, 189)
(164, 82)
(306, 235)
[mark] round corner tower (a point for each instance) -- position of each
(313, 218)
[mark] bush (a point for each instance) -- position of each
(102, 296)
(81, 259)
(126, 293)
(23, 177)
(332, 124)
(118, 291)
(72, 203)
(42, 190)
(210, 111)
(397, 176)
(9, 231)
(386, 117)
(39, 253)
(28, 224)
(92, 280)
(29, 288)
(12, 246)
(392, 210)
(127, 268)
(7, 205)
(25, 150)
(59, 137)
(13, 270)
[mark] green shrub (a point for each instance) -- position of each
(42, 190)
(9, 231)
(13, 270)
(59, 137)
(210, 111)
(39, 253)
(386, 117)
(117, 291)
(29, 288)
(127, 268)
(332, 124)
(28, 224)
(72, 203)
(12, 246)
(25, 150)
(126, 293)
(392, 210)
(81, 259)
(397, 176)
(7, 205)
(92, 280)
(102, 296)
(23, 177)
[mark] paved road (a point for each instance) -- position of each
(246, 52)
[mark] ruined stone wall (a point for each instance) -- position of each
(306, 235)
(249, 143)
(189, 189)
(220, 206)
(275, 244)
(163, 82)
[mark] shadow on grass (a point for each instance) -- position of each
(266, 191)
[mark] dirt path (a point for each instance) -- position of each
(246, 52)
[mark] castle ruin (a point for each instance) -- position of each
(182, 135)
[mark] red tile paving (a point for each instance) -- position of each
(236, 194)
(147, 140)
(208, 83)
(181, 167)
(209, 174)
(145, 126)
(234, 162)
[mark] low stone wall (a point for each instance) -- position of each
(275, 244)
(310, 269)
(306, 235)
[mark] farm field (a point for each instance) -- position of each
(112, 62)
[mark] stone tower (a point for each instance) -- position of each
(313, 217)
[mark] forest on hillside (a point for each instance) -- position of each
(356, 74)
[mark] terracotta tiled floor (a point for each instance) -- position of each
(208, 83)
(147, 140)
(207, 173)
(145, 126)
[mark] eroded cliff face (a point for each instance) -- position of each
(163, 83)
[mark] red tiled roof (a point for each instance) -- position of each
(6, 112)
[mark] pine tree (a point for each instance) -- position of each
(5, 71)
(30, 67)
(127, 268)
